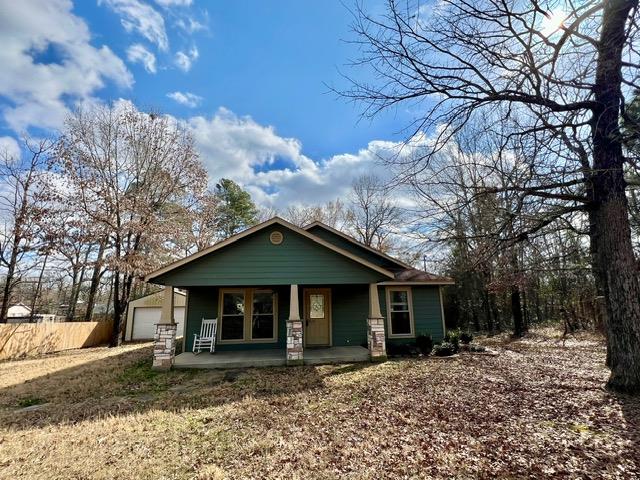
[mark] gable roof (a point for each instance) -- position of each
(256, 228)
(405, 273)
(413, 276)
(357, 243)
(176, 291)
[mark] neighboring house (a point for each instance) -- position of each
(277, 286)
(18, 310)
(20, 313)
(143, 315)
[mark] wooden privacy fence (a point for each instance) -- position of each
(28, 339)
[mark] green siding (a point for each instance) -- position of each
(354, 248)
(427, 314)
(253, 260)
(349, 309)
(203, 303)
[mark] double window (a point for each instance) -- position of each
(248, 315)
(400, 312)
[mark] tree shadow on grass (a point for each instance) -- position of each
(630, 429)
(124, 383)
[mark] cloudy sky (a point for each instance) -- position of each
(250, 78)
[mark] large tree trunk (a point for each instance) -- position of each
(611, 234)
(116, 333)
(9, 284)
(36, 294)
(516, 312)
(95, 282)
(73, 297)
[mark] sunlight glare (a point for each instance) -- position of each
(553, 21)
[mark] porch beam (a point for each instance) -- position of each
(164, 350)
(375, 327)
(295, 349)
(294, 304)
(166, 316)
(374, 302)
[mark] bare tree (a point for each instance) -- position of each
(372, 216)
(204, 221)
(332, 213)
(127, 170)
(96, 276)
(22, 206)
(553, 77)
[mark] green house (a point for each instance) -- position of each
(288, 295)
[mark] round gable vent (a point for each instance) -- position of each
(276, 237)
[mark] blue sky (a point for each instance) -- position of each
(249, 77)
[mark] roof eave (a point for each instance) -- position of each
(275, 220)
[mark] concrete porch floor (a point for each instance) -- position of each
(269, 358)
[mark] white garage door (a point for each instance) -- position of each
(146, 318)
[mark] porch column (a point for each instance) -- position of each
(294, 330)
(375, 327)
(164, 349)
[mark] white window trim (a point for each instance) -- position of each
(248, 316)
(390, 333)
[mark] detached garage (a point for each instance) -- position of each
(144, 313)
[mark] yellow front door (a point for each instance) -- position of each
(317, 317)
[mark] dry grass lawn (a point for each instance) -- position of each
(537, 410)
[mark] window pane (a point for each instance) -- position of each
(400, 323)
(232, 327)
(262, 321)
(262, 326)
(399, 307)
(263, 302)
(316, 306)
(399, 296)
(233, 304)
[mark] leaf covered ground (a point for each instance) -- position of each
(537, 410)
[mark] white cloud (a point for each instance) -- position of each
(142, 18)
(174, 3)
(273, 168)
(184, 61)
(47, 59)
(187, 99)
(137, 53)
(9, 146)
(190, 25)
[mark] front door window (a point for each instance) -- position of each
(316, 302)
(317, 317)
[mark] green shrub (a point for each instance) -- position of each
(466, 337)
(424, 342)
(453, 337)
(444, 349)
(29, 401)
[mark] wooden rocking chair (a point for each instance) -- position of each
(207, 336)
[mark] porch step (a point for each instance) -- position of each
(269, 358)
(321, 356)
(244, 359)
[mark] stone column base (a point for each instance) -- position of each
(164, 350)
(376, 340)
(295, 349)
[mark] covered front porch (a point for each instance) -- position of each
(269, 358)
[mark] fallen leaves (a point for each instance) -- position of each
(537, 410)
